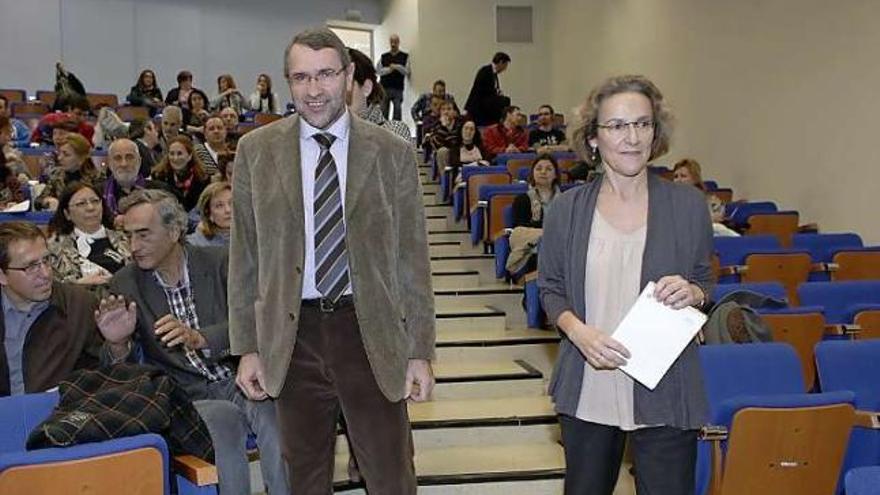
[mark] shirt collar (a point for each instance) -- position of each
(339, 129)
(184, 279)
(8, 305)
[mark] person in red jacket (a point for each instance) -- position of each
(507, 136)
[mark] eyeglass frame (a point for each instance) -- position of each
(618, 128)
(324, 76)
(33, 269)
(90, 201)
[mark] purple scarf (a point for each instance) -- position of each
(110, 192)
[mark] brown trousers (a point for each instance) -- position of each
(329, 370)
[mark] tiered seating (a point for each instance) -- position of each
(14, 95)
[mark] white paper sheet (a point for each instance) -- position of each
(19, 207)
(655, 336)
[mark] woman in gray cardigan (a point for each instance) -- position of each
(603, 242)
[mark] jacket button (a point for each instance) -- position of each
(298, 270)
(292, 316)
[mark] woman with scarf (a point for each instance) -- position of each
(73, 164)
(183, 172)
(85, 248)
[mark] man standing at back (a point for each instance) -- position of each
(393, 69)
(331, 306)
(486, 100)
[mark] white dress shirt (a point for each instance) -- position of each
(310, 150)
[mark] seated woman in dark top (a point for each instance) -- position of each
(146, 92)
(197, 114)
(529, 207)
(183, 172)
(85, 248)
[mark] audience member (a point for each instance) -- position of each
(215, 209)
(179, 96)
(423, 105)
(74, 165)
(228, 95)
(528, 214)
(602, 243)
(85, 248)
(471, 144)
(48, 328)
(230, 121)
(367, 95)
(263, 99)
(177, 320)
(74, 109)
(146, 92)
(432, 119)
(393, 69)
(506, 136)
(546, 138)
(124, 162)
(688, 171)
(194, 118)
(145, 135)
(21, 134)
(172, 125)
(486, 101)
(447, 132)
(183, 172)
(214, 145)
(12, 157)
(716, 211)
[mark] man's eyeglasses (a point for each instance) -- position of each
(35, 268)
(322, 77)
(85, 202)
(617, 129)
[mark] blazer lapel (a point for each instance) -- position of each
(286, 157)
(362, 153)
(154, 296)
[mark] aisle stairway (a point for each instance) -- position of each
(490, 427)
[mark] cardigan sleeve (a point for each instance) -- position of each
(552, 260)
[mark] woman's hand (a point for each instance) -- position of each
(676, 292)
(599, 349)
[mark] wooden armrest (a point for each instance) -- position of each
(198, 471)
(733, 270)
(868, 419)
(808, 228)
(842, 329)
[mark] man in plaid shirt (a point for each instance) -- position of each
(170, 310)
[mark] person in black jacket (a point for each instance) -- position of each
(146, 93)
(485, 101)
(529, 207)
(180, 95)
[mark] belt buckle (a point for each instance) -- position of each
(325, 305)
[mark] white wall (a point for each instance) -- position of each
(107, 42)
(776, 99)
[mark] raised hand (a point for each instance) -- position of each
(116, 320)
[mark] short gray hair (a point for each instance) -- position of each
(173, 109)
(171, 212)
(117, 142)
(317, 39)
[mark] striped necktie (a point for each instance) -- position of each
(331, 256)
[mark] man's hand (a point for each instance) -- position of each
(250, 377)
(115, 320)
(172, 332)
(419, 380)
(511, 148)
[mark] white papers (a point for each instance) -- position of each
(655, 335)
(18, 207)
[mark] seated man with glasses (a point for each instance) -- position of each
(48, 328)
(547, 138)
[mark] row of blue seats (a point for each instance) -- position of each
(769, 376)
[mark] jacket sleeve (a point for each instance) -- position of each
(414, 268)
(551, 260)
(522, 211)
(243, 261)
(701, 273)
(217, 335)
(135, 96)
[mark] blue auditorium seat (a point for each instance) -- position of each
(840, 299)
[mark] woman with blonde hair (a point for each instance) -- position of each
(73, 164)
(215, 208)
(602, 244)
(688, 171)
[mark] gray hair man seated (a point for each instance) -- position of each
(170, 307)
